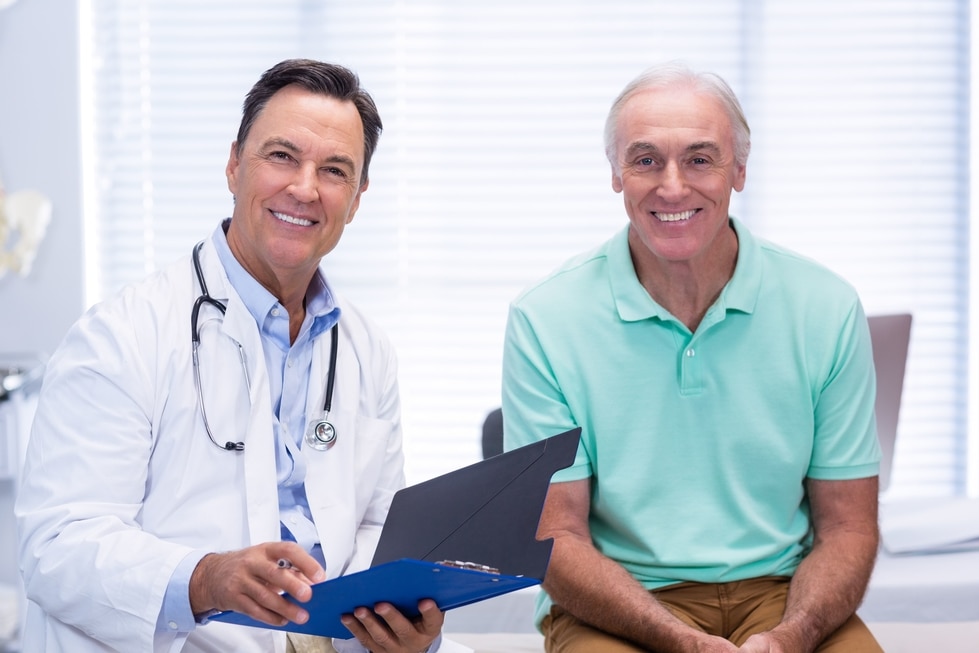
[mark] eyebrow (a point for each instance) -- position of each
(702, 146)
(286, 144)
(641, 147)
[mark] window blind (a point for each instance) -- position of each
(861, 162)
(491, 169)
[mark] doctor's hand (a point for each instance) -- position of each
(251, 581)
(386, 630)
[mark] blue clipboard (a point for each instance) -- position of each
(402, 583)
(485, 515)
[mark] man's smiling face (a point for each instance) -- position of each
(675, 167)
(296, 182)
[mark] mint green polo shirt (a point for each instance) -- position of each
(697, 444)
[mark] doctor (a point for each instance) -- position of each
(157, 491)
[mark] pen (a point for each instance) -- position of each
(284, 564)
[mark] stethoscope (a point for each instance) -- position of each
(320, 434)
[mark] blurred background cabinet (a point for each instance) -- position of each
(20, 377)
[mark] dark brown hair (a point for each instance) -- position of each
(318, 77)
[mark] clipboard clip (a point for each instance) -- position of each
(472, 566)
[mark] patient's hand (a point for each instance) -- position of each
(771, 642)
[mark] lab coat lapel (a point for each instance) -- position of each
(261, 496)
(260, 475)
(330, 484)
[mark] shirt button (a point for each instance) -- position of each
(275, 312)
(172, 625)
(691, 353)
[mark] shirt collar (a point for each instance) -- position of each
(320, 303)
(634, 303)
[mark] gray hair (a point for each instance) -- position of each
(678, 73)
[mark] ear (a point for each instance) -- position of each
(739, 178)
(616, 180)
(231, 171)
(356, 203)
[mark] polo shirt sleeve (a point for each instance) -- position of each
(534, 407)
(845, 445)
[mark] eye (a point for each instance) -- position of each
(335, 172)
(280, 155)
(699, 160)
(645, 161)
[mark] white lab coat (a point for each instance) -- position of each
(122, 482)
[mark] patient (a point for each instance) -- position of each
(724, 495)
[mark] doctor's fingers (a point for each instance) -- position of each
(247, 581)
(260, 598)
(269, 607)
(387, 630)
(281, 566)
(290, 557)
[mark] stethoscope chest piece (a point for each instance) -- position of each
(321, 435)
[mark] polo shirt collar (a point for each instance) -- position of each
(634, 303)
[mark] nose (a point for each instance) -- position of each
(672, 184)
(304, 183)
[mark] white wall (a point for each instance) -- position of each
(39, 148)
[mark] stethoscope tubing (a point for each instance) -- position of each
(205, 298)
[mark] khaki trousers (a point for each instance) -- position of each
(734, 611)
(297, 643)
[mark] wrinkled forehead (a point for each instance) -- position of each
(309, 123)
(678, 114)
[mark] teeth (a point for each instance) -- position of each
(291, 220)
(674, 217)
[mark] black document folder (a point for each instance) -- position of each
(463, 537)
